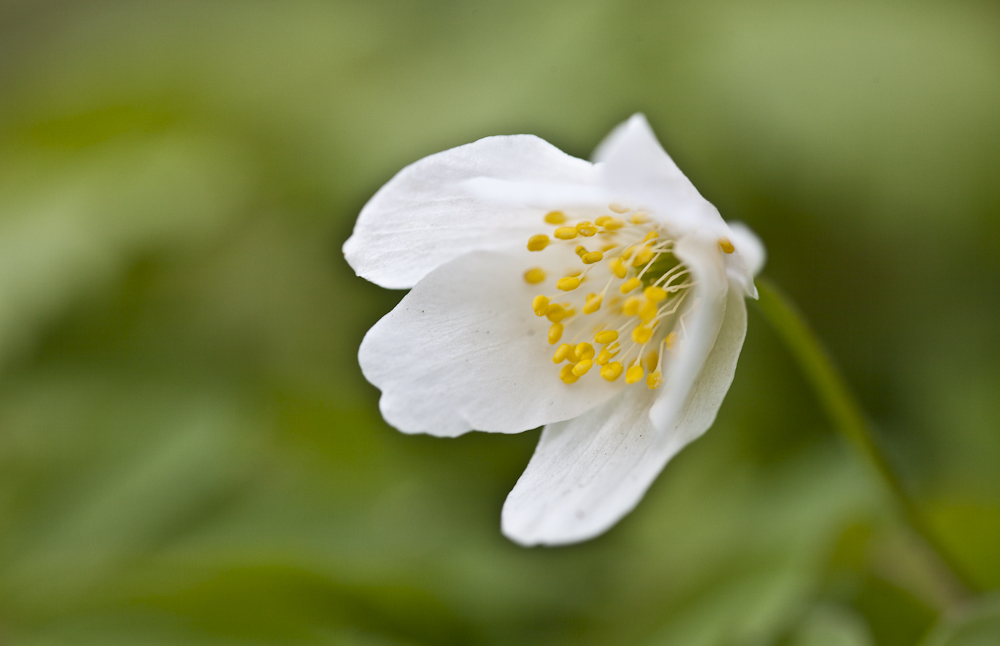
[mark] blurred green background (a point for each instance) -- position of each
(188, 451)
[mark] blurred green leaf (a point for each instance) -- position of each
(832, 626)
(977, 625)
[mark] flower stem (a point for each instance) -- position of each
(847, 416)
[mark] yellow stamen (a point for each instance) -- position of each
(633, 374)
(726, 245)
(593, 304)
(586, 228)
(669, 341)
(618, 267)
(592, 257)
(607, 354)
(642, 256)
(631, 306)
(613, 223)
(639, 218)
(584, 351)
(603, 220)
(641, 334)
(630, 284)
(565, 233)
(647, 312)
(538, 242)
(654, 380)
(612, 371)
(555, 217)
(580, 250)
(650, 236)
(606, 336)
(540, 305)
(582, 368)
(627, 253)
(566, 374)
(652, 360)
(557, 313)
(618, 207)
(534, 275)
(555, 333)
(562, 353)
(568, 284)
(655, 294)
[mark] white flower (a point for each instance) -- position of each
(603, 300)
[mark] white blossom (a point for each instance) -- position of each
(603, 301)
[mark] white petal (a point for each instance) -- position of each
(749, 246)
(464, 350)
(426, 215)
(710, 388)
(587, 473)
(635, 167)
(702, 321)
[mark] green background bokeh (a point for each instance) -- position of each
(189, 453)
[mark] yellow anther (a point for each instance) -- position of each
(593, 304)
(606, 336)
(584, 351)
(562, 353)
(538, 242)
(633, 374)
(555, 217)
(655, 294)
(654, 380)
(612, 371)
(726, 245)
(613, 223)
(644, 255)
(652, 360)
(628, 253)
(580, 250)
(650, 236)
(603, 220)
(568, 283)
(592, 257)
(534, 275)
(641, 334)
(557, 313)
(618, 267)
(540, 305)
(586, 228)
(583, 367)
(565, 233)
(618, 207)
(630, 284)
(647, 312)
(607, 354)
(555, 333)
(566, 374)
(631, 306)
(608, 247)
(639, 218)
(669, 341)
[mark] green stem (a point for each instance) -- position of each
(845, 412)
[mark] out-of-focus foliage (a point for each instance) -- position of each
(188, 451)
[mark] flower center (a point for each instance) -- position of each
(625, 322)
